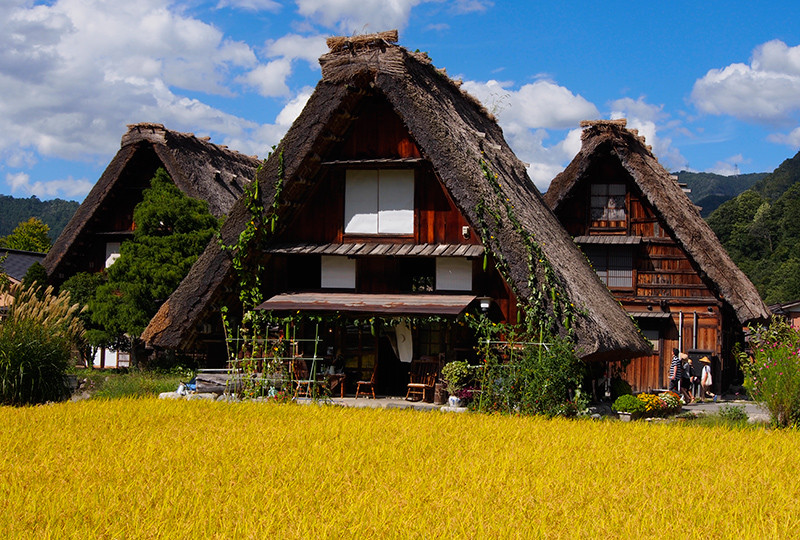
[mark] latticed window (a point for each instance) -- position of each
(614, 265)
(608, 206)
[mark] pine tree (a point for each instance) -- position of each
(171, 232)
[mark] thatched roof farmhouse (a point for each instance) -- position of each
(200, 169)
(659, 257)
(381, 111)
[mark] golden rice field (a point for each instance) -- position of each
(175, 469)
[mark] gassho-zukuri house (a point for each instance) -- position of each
(393, 195)
(202, 170)
(648, 243)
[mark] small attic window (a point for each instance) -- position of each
(608, 206)
(379, 201)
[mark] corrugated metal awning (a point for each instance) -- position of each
(397, 304)
(383, 249)
(608, 239)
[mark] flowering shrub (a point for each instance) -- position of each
(772, 371)
(652, 403)
(672, 400)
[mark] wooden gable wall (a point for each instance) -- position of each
(379, 140)
(113, 219)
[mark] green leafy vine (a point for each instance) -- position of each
(551, 291)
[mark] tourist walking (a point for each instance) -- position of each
(675, 372)
(705, 379)
(685, 381)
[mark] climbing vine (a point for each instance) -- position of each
(550, 289)
(245, 255)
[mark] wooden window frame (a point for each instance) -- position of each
(377, 230)
(614, 226)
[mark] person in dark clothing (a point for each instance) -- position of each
(688, 379)
(675, 372)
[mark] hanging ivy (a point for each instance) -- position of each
(549, 290)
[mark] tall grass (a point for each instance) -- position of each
(109, 384)
(36, 340)
(156, 469)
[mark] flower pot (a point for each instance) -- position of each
(627, 417)
(454, 401)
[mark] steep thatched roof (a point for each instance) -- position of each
(454, 132)
(200, 169)
(681, 216)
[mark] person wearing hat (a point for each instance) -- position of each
(705, 379)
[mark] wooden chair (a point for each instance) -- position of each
(302, 379)
(422, 377)
(370, 384)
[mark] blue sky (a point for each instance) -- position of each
(713, 86)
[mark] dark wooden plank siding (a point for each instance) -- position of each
(663, 275)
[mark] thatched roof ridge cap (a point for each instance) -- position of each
(618, 122)
(352, 44)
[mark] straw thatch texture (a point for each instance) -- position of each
(200, 169)
(675, 208)
(453, 132)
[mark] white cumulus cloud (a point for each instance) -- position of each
(295, 46)
(529, 114)
(729, 166)
(791, 139)
(765, 91)
(20, 182)
(363, 16)
(73, 73)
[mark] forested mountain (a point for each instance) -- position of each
(760, 229)
(55, 213)
(709, 190)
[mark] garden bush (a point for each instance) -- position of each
(36, 341)
(620, 387)
(772, 371)
(533, 379)
(733, 413)
(628, 403)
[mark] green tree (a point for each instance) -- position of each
(82, 288)
(3, 277)
(30, 235)
(171, 232)
(36, 276)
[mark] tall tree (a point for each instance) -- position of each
(30, 235)
(171, 232)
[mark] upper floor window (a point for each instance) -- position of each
(614, 265)
(608, 206)
(379, 201)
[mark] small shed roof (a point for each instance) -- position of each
(17, 262)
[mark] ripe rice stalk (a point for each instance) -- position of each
(155, 469)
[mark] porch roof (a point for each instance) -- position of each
(395, 304)
(650, 314)
(364, 249)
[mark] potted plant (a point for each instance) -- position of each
(456, 376)
(628, 407)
